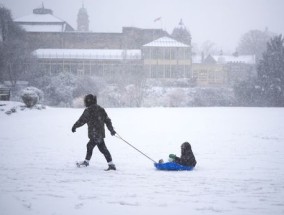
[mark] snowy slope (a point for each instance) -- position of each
(239, 151)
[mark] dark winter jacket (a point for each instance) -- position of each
(187, 157)
(95, 117)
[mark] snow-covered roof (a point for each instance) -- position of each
(42, 18)
(42, 23)
(165, 42)
(196, 59)
(94, 54)
(247, 59)
(224, 59)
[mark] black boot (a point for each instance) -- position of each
(111, 167)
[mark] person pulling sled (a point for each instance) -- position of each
(95, 117)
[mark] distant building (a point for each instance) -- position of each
(151, 53)
(164, 58)
(82, 20)
(110, 63)
(223, 70)
(44, 30)
(167, 58)
(42, 20)
(239, 68)
(208, 73)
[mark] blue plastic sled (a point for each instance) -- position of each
(172, 166)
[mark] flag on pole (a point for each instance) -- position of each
(157, 19)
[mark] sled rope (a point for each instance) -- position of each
(119, 137)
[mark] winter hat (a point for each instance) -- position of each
(186, 146)
(90, 100)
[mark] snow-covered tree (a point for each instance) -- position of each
(271, 72)
(66, 89)
(31, 96)
(59, 89)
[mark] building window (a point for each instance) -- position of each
(167, 53)
(167, 71)
(202, 76)
(157, 53)
(173, 53)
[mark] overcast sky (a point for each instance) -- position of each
(220, 21)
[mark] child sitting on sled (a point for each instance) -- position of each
(187, 157)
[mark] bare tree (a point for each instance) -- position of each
(209, 47)
(254, 43)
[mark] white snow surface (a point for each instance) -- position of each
(39, 18)
(41, 23)
(239, 152)
(165, 42)
(98, 54)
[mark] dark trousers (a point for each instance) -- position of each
(102, 147)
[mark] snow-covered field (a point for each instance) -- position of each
(240, 155)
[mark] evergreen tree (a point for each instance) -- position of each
(14, 52)
(271, 73)
(247, 93)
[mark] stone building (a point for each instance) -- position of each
(208, 73)
(126, 54)
(44, 30)
(164, 58)
(223, 70)
(151, 53)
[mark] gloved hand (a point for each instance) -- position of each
(113, 132)
(172, 156)
(73, 129)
